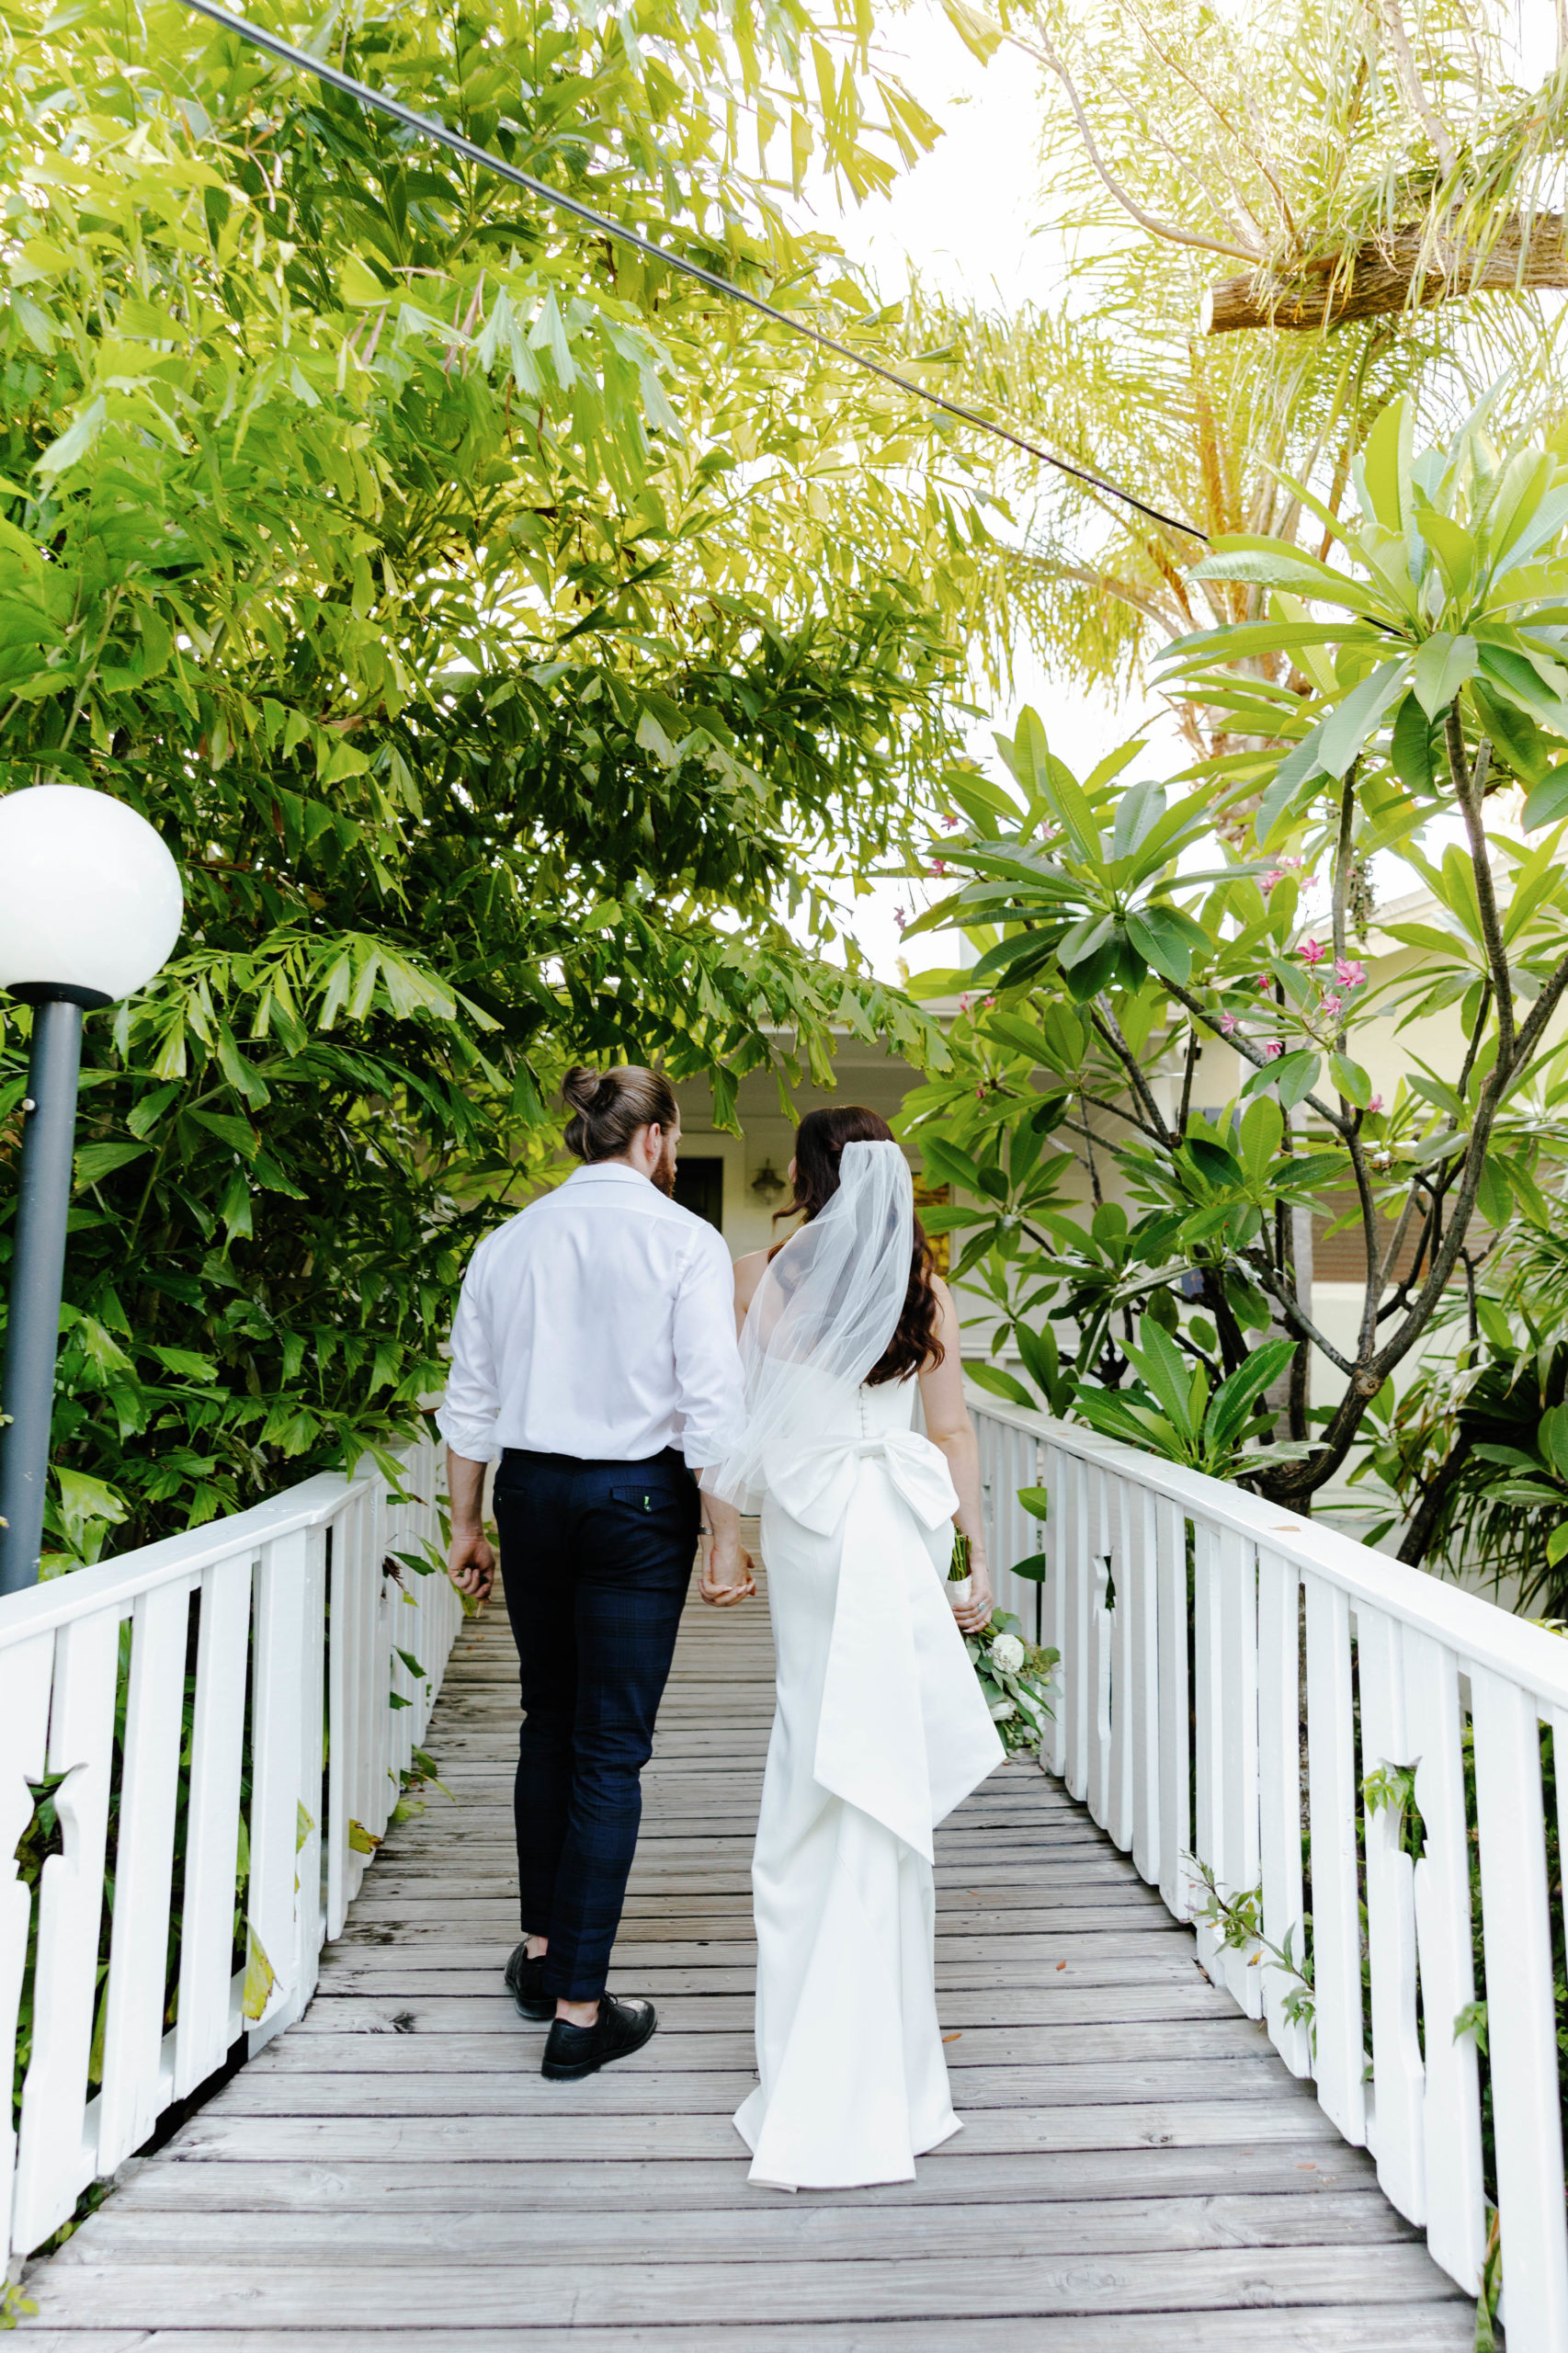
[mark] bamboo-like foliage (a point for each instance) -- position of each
(505, 637)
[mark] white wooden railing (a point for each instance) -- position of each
(261, 1652)
(1207, 1639)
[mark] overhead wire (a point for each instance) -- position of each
(431, 126)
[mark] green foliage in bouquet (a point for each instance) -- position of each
(1014, 1678)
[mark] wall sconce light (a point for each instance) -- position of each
(767, 1184)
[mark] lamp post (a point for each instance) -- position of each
(90, 905)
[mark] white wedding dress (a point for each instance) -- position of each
(880, 1730)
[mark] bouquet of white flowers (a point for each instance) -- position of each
(1014, 1676)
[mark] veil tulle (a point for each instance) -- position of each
(822, 1315)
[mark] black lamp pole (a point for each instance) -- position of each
(38, 1269)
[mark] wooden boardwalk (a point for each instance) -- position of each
(1137, 2170)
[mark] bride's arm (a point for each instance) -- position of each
(947, 1425)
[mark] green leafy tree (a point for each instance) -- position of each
(520, 651)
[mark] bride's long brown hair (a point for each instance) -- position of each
(819, 1146)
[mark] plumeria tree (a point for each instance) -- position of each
(1415, 675)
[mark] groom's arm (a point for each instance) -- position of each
(470, 1559)
(710, 1387)
(726, 1573)
(466, 1419)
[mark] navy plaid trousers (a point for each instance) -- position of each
(596, 1559)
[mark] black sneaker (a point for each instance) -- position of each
(620, 2028)
(525, 1983)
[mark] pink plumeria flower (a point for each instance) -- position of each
(950, 819)
(988, 1002)
(964, 1004)
(1275, 876)
(1333, 1003)
(1347, 973)
(1312, 952)
(899, 917)
(1228, 1023)
(1375, 1103)
(1266, 981)
(940, 866)
(1273, 1050)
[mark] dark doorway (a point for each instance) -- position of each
(700, 1186)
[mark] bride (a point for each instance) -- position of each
(880, 1728)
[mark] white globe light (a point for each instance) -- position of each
(90, 899)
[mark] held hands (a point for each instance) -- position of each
(726, 1575)
(471, 1562)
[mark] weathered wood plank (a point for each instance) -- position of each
(611, 2294)
(438, 2141)
(958, 2175)
(1061, 2005)
(1024, 2049)
(771, 2232)
(1435, 2327)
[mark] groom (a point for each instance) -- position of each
(594, 1349)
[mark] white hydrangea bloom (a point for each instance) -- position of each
(1007, 1653)
(1001, 1712)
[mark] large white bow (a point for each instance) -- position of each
(903, 1732)
(815, 1482)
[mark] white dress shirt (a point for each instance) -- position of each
(599, 1322)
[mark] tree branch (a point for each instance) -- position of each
(1041, 51)
(1192, 1050)
(1414, 90)
(1470, 784)
(1105, 1022)
(1291, 1309)
(1253, 1054)
(1392, 271)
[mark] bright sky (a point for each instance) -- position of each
(966, 217)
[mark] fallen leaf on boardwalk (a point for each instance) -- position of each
(1061, 1965)
(954, 2037)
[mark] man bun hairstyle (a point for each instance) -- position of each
(608, 1108)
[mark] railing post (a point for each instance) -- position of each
(277, 1699)
(1235, 1595)
(205, 2026)
(1456, 2198)
(137, 2077)
(1279, 1795)
(55, 2163)
(1336, 1919)
(1398, 2077)
(1176, 1745)
(1521, 2013)
(26, 1672)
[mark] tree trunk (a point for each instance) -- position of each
(1418, 1538)
(1394, 270)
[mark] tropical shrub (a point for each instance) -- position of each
(520, 653)
(1121, 931)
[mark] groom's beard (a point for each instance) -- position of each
(665, 1173)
